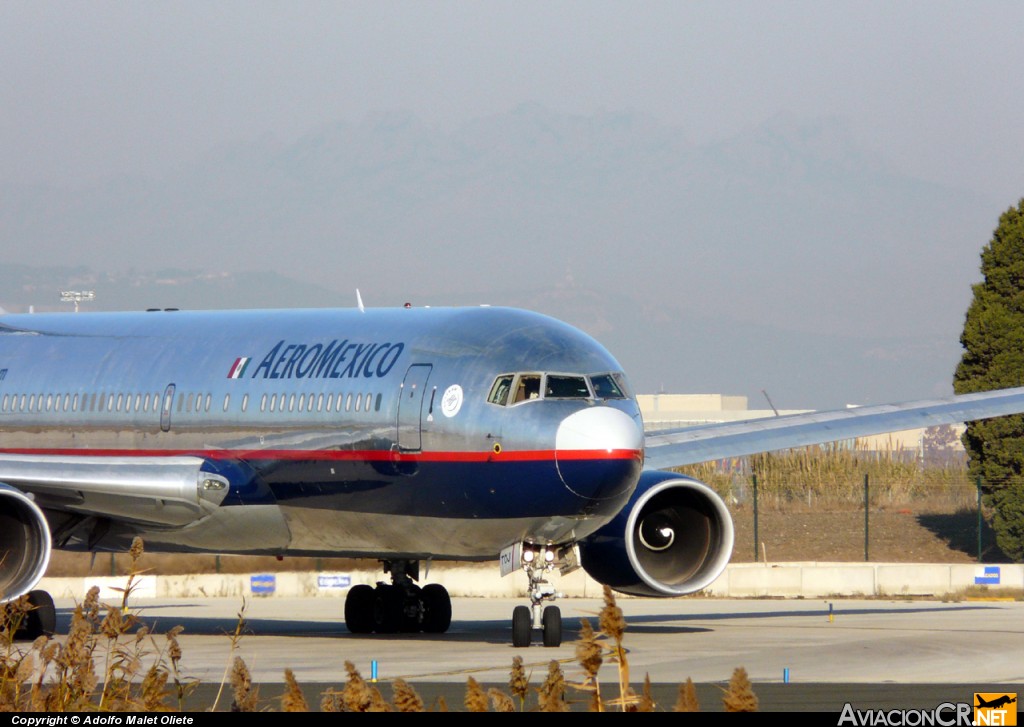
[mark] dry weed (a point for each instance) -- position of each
(245, 696)
(519, 683)
(405, 697)
(356, 696)
(293, 700)
(476, 698)
(687, 701)
(589, 655)
(740, 697)
(501, 701)
(551, 693)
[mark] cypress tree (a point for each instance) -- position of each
(993, 341)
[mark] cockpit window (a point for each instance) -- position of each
(565, 387)
(527, 388)
(606, 386)
(511, 389)
(499, 392)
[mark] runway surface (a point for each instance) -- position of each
(897, 653)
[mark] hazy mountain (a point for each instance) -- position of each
(661, 347)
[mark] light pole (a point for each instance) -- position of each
(77, 296)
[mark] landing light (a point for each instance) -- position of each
(528, 556)
(549, 555)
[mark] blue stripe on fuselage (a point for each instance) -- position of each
(438, 489)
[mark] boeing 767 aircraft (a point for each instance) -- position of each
(404, 435)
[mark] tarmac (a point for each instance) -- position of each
(800, 655)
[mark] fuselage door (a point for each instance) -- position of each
(165, 408)
(410, 406)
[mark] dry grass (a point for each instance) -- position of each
(832, 477)
(99, 666)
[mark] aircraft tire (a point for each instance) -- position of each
(522, 627)
(388, 616)
(41, 620)
(437, 608)
(410, 610)
(552, 622)
(359, 606)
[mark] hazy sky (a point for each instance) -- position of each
(100, 99)
(89, 89)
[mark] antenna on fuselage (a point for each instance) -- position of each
(359, 301)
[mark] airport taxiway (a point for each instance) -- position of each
(865, 641)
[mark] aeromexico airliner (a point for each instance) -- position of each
(404, 435)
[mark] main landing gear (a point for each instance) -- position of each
(538, 562)
(41, 620)
(398, 607)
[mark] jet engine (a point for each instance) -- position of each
(673, 537)
(24, 543)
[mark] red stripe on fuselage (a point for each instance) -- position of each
(367, 455)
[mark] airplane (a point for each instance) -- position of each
(406, 435)
(996, 703)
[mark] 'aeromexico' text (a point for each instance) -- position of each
(334, 360)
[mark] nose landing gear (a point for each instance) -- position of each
(538, 562)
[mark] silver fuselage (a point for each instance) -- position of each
(340, 432)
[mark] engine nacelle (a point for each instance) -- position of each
(24, 543)
(673, 537)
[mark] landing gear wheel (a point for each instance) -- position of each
(388, 614)
(437, 608)
(522, 626)
(410, 610)
(552, 622)
(41, 620)
(359, 606)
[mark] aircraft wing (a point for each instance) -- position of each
(162, 491)
(702, 443)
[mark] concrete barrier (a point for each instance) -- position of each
(740, 580)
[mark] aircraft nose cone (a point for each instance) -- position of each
(599, 452)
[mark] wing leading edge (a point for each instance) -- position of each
(702, 443)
